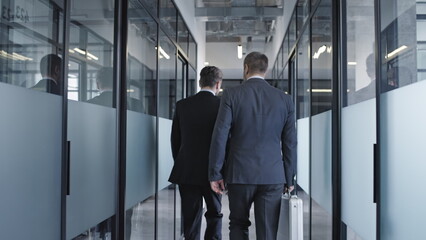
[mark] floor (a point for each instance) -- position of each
(225, 221)
(141, 221)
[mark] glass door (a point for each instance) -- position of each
(358, 120)
(321, 122)
(92, 123)
(31, 105)
(402, 165)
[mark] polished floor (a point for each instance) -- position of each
(140, 221)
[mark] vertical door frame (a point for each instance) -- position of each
(336, 168)
(120, 74)
(65, 168)
(377, 146)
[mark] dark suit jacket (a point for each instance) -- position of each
(191, 134)
(260, 121)
(48, 85)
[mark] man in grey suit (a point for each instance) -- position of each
(257, 122)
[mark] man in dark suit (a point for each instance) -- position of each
(105, 84)
(50, 69)
(258, 122)
(192, 129)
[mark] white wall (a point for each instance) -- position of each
(224, 55)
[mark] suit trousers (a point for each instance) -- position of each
(267, 204)
(192, 209)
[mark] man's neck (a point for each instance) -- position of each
(255, 75)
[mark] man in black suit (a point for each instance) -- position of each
(105, 84)
(192, 129)
(50, 69)
(257, 121)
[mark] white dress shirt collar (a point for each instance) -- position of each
(208, 90)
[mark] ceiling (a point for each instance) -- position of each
(244, 21)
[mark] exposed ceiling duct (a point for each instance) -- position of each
(233, 20)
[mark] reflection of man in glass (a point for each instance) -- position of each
(105, 85)
(104, 81)
(368, 91)
(50, 69)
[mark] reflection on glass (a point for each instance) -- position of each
(166, 207)
(91, 55)
(402, 38)
(151, 5)
(285, 48)
(192, 51)
(31, 45)
(284, 83)
(303, 83)
(101, 231)
(140, 220)
(91, 128)
(361, 70)
(182, 35)
(292, 31)
(280, 62)
(321, 59)
(141, 72)
(167, 66)
(168, 17)
(141, 128)
(192, 82)
(302, 8)
(167, 101)
(180, 78)
(322, 69)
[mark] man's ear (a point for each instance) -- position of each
(246, 69)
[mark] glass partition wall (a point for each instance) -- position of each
(59, 82)
(358, 114)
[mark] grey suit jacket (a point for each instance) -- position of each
(258, 121)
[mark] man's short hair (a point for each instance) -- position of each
(209, 76)
(49, 63)
(257, 62)
(104, 77)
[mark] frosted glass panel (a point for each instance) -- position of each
(358, 137)
(403, 164)
(165, 158)
(321, 160)
(303, 153)
(92, 132)
(30, 164)
(141, 156)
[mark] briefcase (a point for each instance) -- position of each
(291, 218)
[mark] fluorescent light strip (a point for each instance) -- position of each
(352, 63)
(162, 52)
(240, 51)
(396, 51)
(92, 56)
(80, 51)
(319, 90)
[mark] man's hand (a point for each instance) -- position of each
(288, 189)
(218, 186)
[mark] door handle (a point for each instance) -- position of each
(68, 160)
(376, 172)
